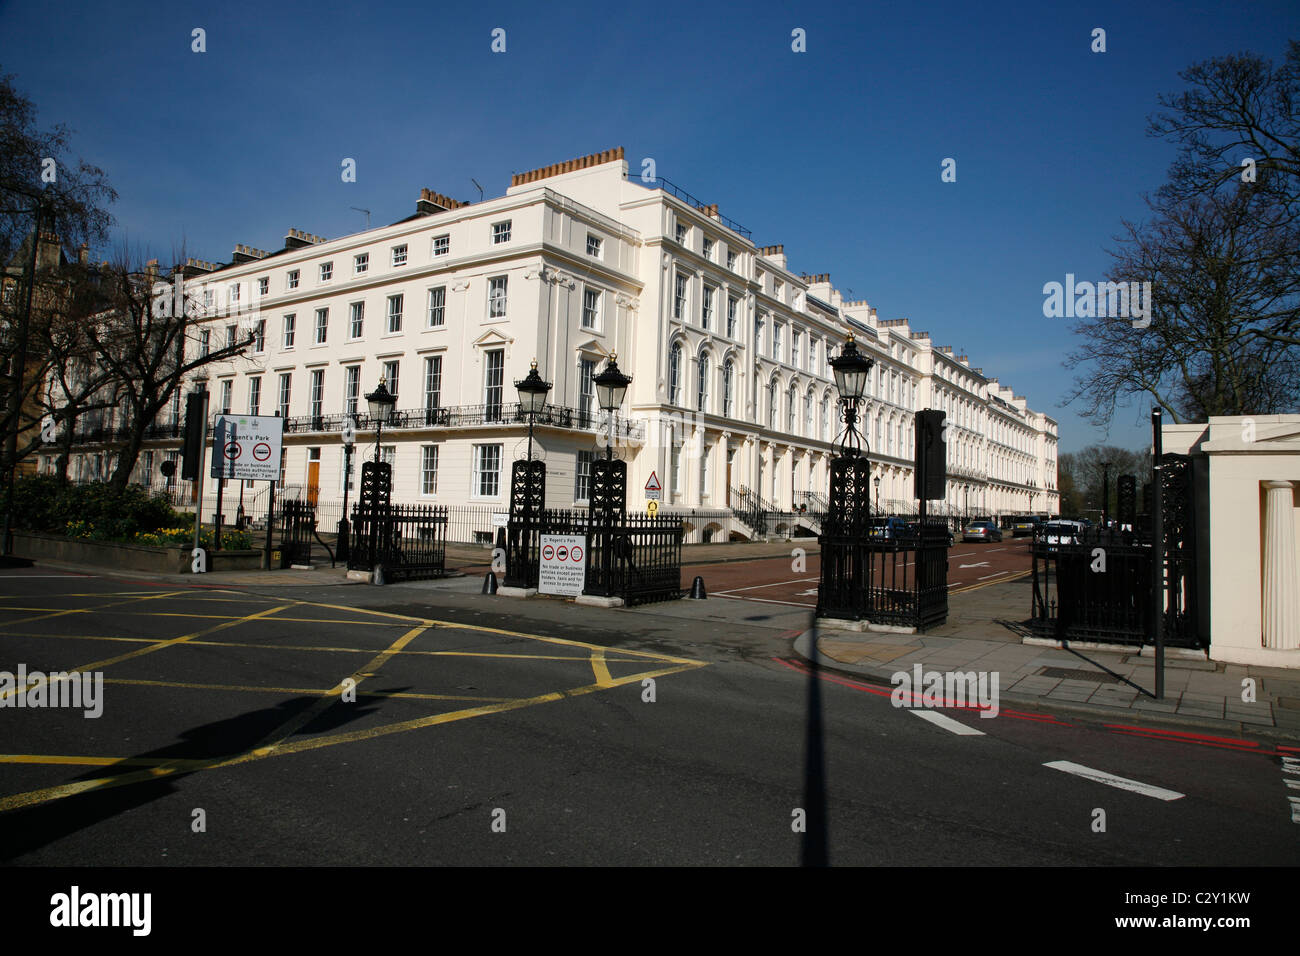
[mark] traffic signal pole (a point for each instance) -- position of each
(203, 444)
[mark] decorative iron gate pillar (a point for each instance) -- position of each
(608, 506)
(527, 499)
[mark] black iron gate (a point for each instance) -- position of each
(1097, 584)
(297, 527)
(636, 558)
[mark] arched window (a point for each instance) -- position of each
(809, 426)
(728, 372)
(792, 402)
(771, 404)
(675, 374)
(702, 390)
(826, 418)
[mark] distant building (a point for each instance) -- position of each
(728, 351)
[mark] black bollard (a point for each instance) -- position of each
(697, 589)
(489, 583)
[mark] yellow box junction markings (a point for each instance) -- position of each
(278, 742)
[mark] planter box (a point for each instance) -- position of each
(133, 557)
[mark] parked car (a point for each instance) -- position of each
(1057, 533)
(1025, 526)
(887, 529)
(914, 529)
(981, 531)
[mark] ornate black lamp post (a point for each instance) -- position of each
(381, 403)
(527, 492)
(611, 386)
(842, 590)
(877, 481)
(349, 438)
(851, 369)
(609, 480)
(376, 525)
(532, 399)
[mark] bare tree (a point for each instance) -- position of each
(1223, 267)
(1238, 126)
(149, 347)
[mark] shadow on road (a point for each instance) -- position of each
(27, 829)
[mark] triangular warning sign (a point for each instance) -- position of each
(653, 483)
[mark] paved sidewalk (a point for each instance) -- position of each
(980, 636)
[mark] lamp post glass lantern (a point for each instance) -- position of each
(611, 386)
(851, 369)
(381, 403)
(532, 399)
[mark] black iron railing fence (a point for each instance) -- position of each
(633, 557)
(1095, 585)
(901, 581)
(410, 541)
(449, 416)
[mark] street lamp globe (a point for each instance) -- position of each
(611, 385)
(851, 368)
(381, 402)
(532, 391)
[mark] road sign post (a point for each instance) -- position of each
(563, 568)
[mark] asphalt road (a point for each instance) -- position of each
(793, 580)
(488, 731)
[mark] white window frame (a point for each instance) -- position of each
(440, 245)
(594, 245)
(501, 232)
(291, 279)
(498, 302)
(399, 255)
(288, 331)
(593, 311)
(356, 321)
(322, 328)
(360, 263)
(436, 317)
(429, 471)
(395, 317)
(327, 271)
(479, 473)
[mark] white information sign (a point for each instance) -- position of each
(247, 446)
(500, 519)
(653, 490)
(564, 564)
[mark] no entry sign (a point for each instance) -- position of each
(247, 447)
(563, 569)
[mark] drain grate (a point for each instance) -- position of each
(1066, 673)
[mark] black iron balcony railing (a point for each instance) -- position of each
(449, 416)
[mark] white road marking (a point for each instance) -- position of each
(774, 584)
(993, 575)
(1110, 780)
(738, 597)
(947, 723)
(977, 564)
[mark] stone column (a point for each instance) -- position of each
(1280, 572)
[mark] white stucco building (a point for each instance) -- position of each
(727, 348)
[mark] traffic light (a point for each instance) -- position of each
(931, 455)
(192, 448)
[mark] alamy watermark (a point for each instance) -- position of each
(935, 689)
(1085, 300)
(56, 689)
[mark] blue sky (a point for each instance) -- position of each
(835, 153)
